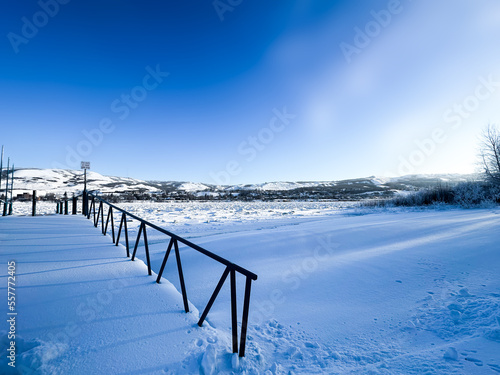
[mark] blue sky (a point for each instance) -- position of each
(240, 91)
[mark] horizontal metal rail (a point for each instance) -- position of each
(230, 270)
(216, 257)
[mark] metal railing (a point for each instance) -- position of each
(230, 269)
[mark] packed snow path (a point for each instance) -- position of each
(84, 308)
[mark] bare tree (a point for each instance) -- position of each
(490, 153)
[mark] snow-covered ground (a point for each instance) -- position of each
(193, 218)
(84, 308)
(339, 291)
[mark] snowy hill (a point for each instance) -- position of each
(59, 181)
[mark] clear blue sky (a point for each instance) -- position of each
(256, 90)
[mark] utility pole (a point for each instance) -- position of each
(6, 189)
(1, 169)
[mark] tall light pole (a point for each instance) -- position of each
(6, 189)
(1, 169)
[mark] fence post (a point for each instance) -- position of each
(65, 203)
(33, 211)
(75, 199)
(234, 314)
(244, 320)
(85, 203)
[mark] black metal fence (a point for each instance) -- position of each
(230, 270)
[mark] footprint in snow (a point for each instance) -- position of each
(494, 367)
(476, 361)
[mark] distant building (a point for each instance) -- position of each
(24, 197)
(50, 197)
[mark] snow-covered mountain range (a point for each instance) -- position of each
(60, 181)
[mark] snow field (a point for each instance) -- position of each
(359, 294)
(209, 217)
(339, 291)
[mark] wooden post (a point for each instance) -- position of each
(85, 205)
(11, 190)
(33, 213)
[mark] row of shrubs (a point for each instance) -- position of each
(465, 194)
